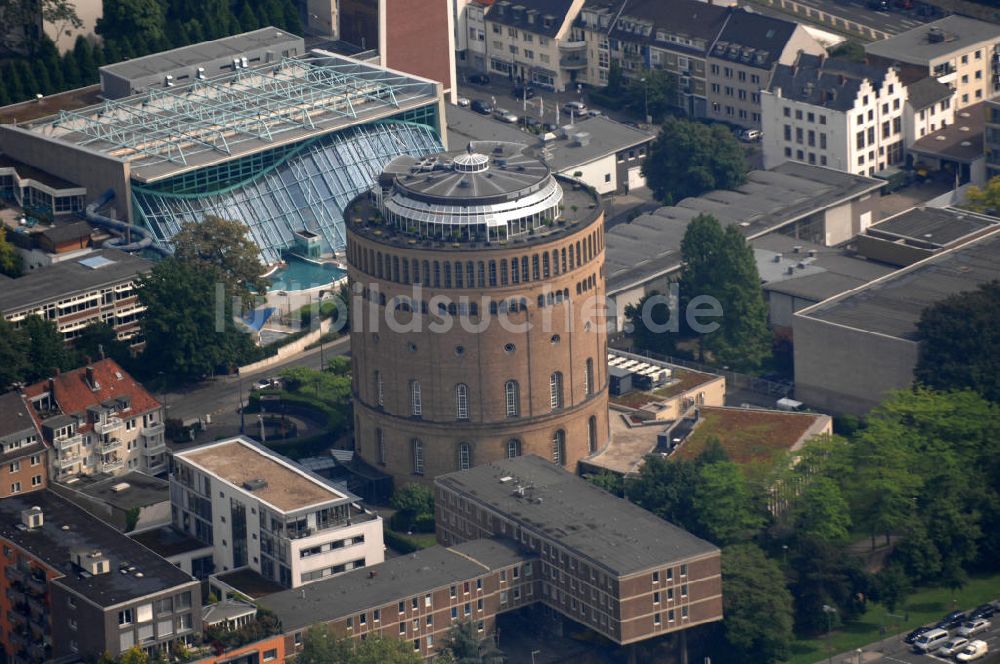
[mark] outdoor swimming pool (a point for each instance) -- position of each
(303, 275)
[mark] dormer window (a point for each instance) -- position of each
(547, 22)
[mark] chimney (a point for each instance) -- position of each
(92, 380)
(812, 253)
(797, 249)
(32, 518)
(842, 79)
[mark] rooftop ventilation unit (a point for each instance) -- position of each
(120, 487)
(581, 138)
(935, 35)
(255, 484)
(33, 517)
(93, 562)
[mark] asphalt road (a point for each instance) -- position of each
(220, 397)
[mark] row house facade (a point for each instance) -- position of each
(834, 113)
(23, 454)
(535, 44)
(98, 419)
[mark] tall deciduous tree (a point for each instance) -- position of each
(960, 342)
(321, 646)
(47, 351)
(719, 264)
(984, 199)
(187, 325)
(724, 504)
(822, 513)
(14, 362)
(19, 18)
(650, 322)
(139, 20)
(10, 260)
(222, 245)
(754, 588)
(690, 158)
(466, 646)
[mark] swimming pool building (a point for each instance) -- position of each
(282, 147)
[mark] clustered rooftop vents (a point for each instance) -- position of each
(490, 192)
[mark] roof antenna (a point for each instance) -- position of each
(468, 148)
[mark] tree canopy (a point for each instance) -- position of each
(189, 330)
(720, 264)
(10, 260)
(986, 198)
(225, 247)
(321, 646)
(689, 158)
(960, 342)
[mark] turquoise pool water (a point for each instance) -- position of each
(302, 275)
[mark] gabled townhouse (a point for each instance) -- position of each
(834, 113)
(742, 59)
(98, 419)
(536, 44)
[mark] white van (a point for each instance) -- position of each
(931, 641)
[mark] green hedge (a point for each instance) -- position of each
(398, 542)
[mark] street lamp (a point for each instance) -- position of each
(829, 611)
(533, 653)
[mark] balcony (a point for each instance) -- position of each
(36, 606)
(64, 442)
(36, 586)
(15, 593)
(573, 47)
(110, 445)
(65, 461)
(112, 465)
(573, 63)
(15, 573)
(110, 426)
(154, 447)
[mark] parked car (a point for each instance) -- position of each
(973, 651)
(931, 641)
(594, 113)
(953, 620)
(750, 135)
(503, 115)
(265, 383)
(912, 636)
(878, 5)
(481, 106)
(953, 646)
(984, 611)
(973, 627)
(532, 122)
(463, 101)
(523, 92)
(479, 79)
(577, 108)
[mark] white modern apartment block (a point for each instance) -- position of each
(833, 113)
(261, 511)
(470, 32)
(961, 52)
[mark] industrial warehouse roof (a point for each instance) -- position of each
(650, 245)
(559, 506)
(135, 570)
(396, 579)
(194, 54)
(893, 305)
(934, 228)
(960, 141)
(68, 278)
(162, 133)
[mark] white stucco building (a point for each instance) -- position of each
(833, 113)
(261, 511)
(930, 105)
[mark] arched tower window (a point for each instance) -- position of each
(418, 456)
(464, 456)
(559, 447)
(461, 401)
(556, 390)
(592, 434)
(512, 396)
(513, 448)
(588, 377)
(380, 445)
(416, 404)
(379, 389)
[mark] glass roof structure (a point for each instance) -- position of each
(162, 132)
(304, 186)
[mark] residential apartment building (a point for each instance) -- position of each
(23, 455)
(991, 138)
(514, 534)
(74, 588)
(930, 105)
(417, 598)
(742, 58)
(100, 286)
(961, 52)
(536, 44)
(260, 511)
(669, 35)
(603, 562)
(835, 113)
(470, 32)
(98, 419)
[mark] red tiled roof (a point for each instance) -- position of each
(73, 394)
